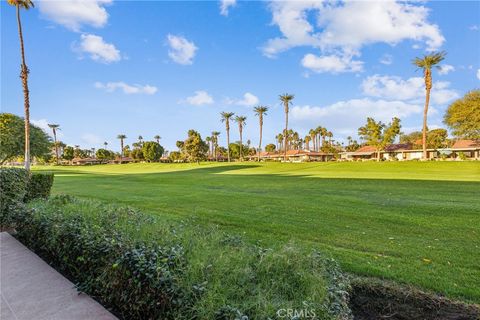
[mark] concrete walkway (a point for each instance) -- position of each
(31, 289)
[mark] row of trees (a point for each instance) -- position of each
(463, 119)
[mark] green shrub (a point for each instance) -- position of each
(13, 182)
(39, 186)
(144, 268)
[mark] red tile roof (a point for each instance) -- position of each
(398, 146)
(366, 149)
(462, 144)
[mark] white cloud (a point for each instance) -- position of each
(73, 14)
(478, 74)
(341, 29)
(225, 6)
(386, 59)
(200, 97)
(98, 49)
(181, 50)
(345, 117)
(412, 89)
(43, 124)
(446, 69)
(248, 100)
(474, 27)
(91, 139)
(331, 63)
(126, 88)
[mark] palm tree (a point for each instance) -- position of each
(226, 116)
(140, 140)
(426, 63)
(121, 137)
(313, 136)
(286, 99)
(241, 122)
(260, 111)
(105, 144)
(209, 140)
(279, 138)
(54, 128)
(215, 135)
(24, 4)
(157, 138)
(307, 141)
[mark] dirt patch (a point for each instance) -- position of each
(375, 299)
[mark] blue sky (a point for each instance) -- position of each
(102, 67)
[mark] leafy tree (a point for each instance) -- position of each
(175, 156)
(235, 152)
(270, 147)
(179, 144)
(12, 139)
(426, 63)
(194, 148)
(226, 117)
(137, 154)
(152, 151)
(260, 111)
(286, 99)
(104, 154)
(240, 120)
(436, 138)
(352, 145)
(463, 116)
(378, 134)
(68, 153)
(24, 4)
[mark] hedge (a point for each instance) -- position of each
(17, 186)
(142, 267)
(13, 182)
(39, 186)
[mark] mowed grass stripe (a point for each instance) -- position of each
(414, 222)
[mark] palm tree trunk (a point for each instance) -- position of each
(121, 151)
(56, 144)
(428, 82)
(285, 137)
(24, 76)
(260, 143)
(228, 142)
(241, 145)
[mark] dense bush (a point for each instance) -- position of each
(17, 186)
(13, 182)
(145, 268)
(39, 186)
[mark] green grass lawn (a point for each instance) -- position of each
(414, 222)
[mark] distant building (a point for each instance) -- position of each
(468, 149)
(295, 156)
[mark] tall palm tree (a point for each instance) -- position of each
(279, 138)
(426, 63)
(226, 117)
(105, 144)
(241, 122)
(260, 111)
(209, 140)
(140, 140)
(307, 140)
(157, 138)
(122, 137)
(313, 136)
(286, 99)
(215, 135)
(24, 4)
(54, 128)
